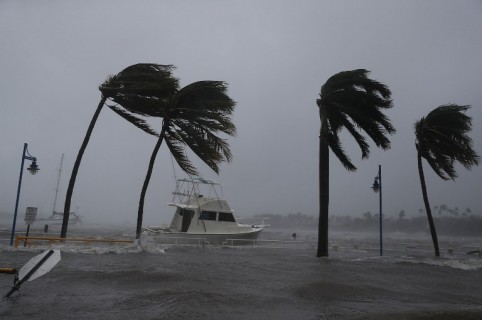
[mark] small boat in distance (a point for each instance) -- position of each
(202, 216)
(57, 217)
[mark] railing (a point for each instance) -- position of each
(392, 247)
(179, 240)
(55, 239)
(231, 242)
(264, 243)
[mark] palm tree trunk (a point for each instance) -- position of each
(427, 206)
(324, 180)
(75, 169)
(140, 211)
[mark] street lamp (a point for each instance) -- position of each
(33, 169)
(377, 187)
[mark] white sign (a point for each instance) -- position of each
(30, 215)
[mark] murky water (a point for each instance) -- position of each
(275, 280)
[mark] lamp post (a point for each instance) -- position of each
(33, 169)
(377, 187)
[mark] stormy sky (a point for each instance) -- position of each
(275, 55)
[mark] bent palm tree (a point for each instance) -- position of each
(192, 117)
(127, 88)
(441, 139)
(349, 100)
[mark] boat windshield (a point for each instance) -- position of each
(226, 216)
(208, 215)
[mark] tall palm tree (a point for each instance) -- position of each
(135, 83)
(192, 117)
(349, 100)
(441, 139)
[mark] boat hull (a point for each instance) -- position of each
(57, 219)
(164, 236)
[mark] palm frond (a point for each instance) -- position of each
(442, 139)
(197, 113)
(340, 120)
(205, 100)
(177, 150)
(214, 125)
(210, 96)
(353, 101)
(142, 88)
(336, 147)
(145, 79)
(140, 123)
(142, 105)
(209, 148)
(357, 79)
(206, 131)
(363, 110)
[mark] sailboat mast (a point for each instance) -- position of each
(58, 183)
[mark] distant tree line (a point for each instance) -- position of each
(463, 224)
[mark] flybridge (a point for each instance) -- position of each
(195, 186)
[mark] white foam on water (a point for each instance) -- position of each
(92, 248)
(472, 263)
(464, 264)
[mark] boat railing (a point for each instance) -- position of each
(180, 240)
(233, 242)
(263, 243)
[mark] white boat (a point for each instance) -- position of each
(57, 217)
(201, 216)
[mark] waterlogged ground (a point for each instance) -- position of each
(279, 280)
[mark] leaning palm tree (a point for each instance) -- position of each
(441, 139)
(352, 101)
(192, 117)
(132, 85)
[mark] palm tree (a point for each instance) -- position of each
(441, 139)
(143, 82)
(350, 100)
(192, 117)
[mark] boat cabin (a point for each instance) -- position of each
(202, 214)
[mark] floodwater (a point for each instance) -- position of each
(273, 280)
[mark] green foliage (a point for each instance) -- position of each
(142, 80)
(351, 100)
(193, 115)
(140, 90)
(196, 114)
(442, 139)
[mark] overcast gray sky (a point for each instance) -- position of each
(275, 55)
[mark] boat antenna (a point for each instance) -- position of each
(58, 182)
(173, 168)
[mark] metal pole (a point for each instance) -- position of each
(17, 284)
(381, 212)
(18, 195)
(26, 236)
